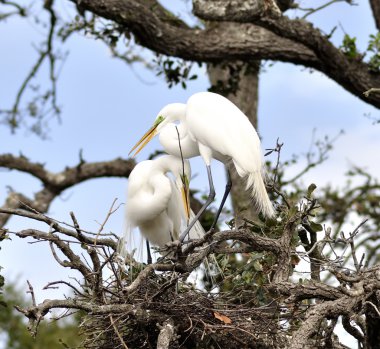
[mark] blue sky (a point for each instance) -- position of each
(106, 108)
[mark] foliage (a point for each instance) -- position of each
(349, 48)
(175, 71)
(374, 47)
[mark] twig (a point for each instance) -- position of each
(118, 333)
(314, 10)
(31, 291)
(48, 286)
(109, 213)
(371, 90)
(374, 307)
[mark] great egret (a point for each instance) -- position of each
(214, 127)
(157, 204)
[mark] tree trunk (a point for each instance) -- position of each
(238, 82)
(373, 322)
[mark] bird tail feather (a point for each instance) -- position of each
(255, 182)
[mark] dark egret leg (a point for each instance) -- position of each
(226, 192)
(149, 256)
(209, 200)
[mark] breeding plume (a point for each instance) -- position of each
(157, 203)
(213, 127)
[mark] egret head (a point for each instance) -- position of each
(171, 112)
(180, 169)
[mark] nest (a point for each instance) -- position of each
(200, 319)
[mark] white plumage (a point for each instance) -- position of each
(212, 126)
(157, 203)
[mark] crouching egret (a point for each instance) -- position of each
(214, 127)
(157, 204)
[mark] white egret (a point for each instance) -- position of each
(157, 204)
(214, 127)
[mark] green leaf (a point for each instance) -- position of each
(310, 189)
(315, 227)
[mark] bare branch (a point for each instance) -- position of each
(56, 183)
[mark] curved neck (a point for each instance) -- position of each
(175, 111)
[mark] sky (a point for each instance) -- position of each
(107, 106)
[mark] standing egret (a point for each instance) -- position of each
(216, 128)
(157, 204)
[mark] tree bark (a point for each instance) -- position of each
(373, 321)
(282, 39)
(375, 6)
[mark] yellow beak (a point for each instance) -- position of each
(144, 140)
(186, 199)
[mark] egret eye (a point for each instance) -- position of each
(159, 119)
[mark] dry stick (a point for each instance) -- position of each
(274, 180)
(371, 90)
(109, 213)
(31, 291)
(48, 286)
(374, 306)
(313, 10)
(118, 333)
(55, 224)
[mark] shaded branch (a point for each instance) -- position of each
(57, 227)
(56, 183)
(375, 6)
(164, 35)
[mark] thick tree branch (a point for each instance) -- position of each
(302, 338)
(71, 175)
(310, 290)
(214, 44)
(55, 183)
(235, 10)
(375, 5)
(354, 76)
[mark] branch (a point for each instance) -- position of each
(164, 34)
(301, 338)
(14, 115)
(18, 9)
(74, 261)
(375, 6)
(310, 290)
(56, 183)
(36, 313)
(234, 10)
(353, 75)
(167, 334)
(57, 227)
